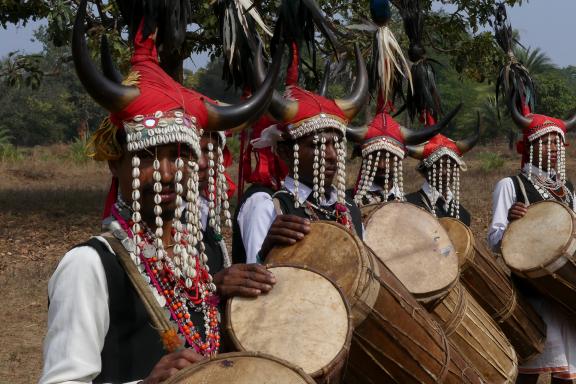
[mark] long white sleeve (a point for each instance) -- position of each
(503, 198)
(255, 219)
(78, 319)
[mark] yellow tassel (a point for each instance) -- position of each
(103, 144)
(171, 341)
(133, 79)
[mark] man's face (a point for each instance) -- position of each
(203, 161)
(306, 157)
(442, 177)
(552, 149)
(380, 175)
(166, 155)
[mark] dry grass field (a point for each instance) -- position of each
(49, 204)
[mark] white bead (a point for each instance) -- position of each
(157, 187)
(157, 199)
(179, 188)
(135, 183)
(157, 210)
(135, 162)
(158, 221)
(135, 206)
(159, 232)
(135, 172)
(156, 176)
(156, 164)
(135, 194)
(178, 176)
(179, 163)
(136, 217)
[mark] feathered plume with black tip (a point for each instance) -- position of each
(514, 83)
(170, 17)
(388, 66)
(240, 39)
(297, 23)
(424, 100)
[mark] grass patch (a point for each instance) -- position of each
(491, 161)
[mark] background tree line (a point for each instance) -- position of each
(42, 102)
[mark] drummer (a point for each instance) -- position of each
(309, 137)
(440, 165)
(542, 177)
(98, 327)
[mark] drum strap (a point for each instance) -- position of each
(523, 190)
(160, 322)
(277, 206)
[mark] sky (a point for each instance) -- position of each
(542, 23)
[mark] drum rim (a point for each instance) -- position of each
(471, 246)
(342, 354)
(549, 262)
(224, 356)
(431, 296)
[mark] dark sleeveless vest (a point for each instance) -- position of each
(287, 204)
(238, 250)
(132, 347)
(378, 196)
(420, 199)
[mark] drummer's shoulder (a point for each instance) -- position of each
(506, 184)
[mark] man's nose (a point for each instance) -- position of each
(167, 169)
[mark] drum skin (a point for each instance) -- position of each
(395, 339)
(241, 368)
(477, 336)
(487, 282)
(304, 320)
(541, 247)
(415, 247)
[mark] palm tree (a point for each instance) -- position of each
(534, 60)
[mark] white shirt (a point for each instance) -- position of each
(258, 213)
(78, 318)
(503, 198)
(433, 195)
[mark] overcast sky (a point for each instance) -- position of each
(546, 24)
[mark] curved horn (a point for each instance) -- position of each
(352, 105)
(412, 137)
(520, 120)
(114, 97)
(415, 151)
(570, 124)
(356, 134)
(221, 118)
(467, 144)
(324, 84)
(107, 63)
(280, 108)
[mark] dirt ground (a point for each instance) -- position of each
(48, 205)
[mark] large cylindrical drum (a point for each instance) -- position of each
(241, 368)
(395, 339)
(416, 248)
(477, 336)
(304, 320)
(493, 289)
(541, 247)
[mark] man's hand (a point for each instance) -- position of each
(247, 280)
(285, 230)
(517, 211)
(170, 364)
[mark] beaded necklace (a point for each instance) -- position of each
(551, 189)
(178, 296)
(340, 214)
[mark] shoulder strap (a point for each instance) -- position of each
(523, 190)
(161, 323)
(277, 206)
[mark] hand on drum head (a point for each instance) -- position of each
(247, 280)
(171, 364)
(517, 211)
(285, 230)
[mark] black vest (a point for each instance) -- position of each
(420, 199)
(132, 347)
(532, 193)
(238, 250)
(372, 197)
(287, 204)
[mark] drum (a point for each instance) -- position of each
(416, 248)
(395, 339)
(493, 290)
(241, 368)
(477, 336)
(304, 320)
(540, 247)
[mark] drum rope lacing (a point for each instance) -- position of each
(458, 313)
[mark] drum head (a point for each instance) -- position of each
(415, 247)
(241, 368)
(329, 248)
(461, 237)
(539, 237)
(304, 320)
